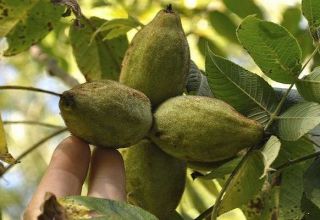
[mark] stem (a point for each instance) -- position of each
(216, 207)
(205, 214)
(298, 160)
(29, 89)
(284, 97)
(33, 123)
(33, 147)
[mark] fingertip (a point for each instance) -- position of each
(107, 175)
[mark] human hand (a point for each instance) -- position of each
(68, 169)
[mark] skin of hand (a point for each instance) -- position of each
(68, 169)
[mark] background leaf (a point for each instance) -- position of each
(35, 20)
(245, 184)
(311, 11)
(3, 141)
(247, 92)
(272, 47)
(298, 120)
(291, 19)
(224, 25)
(202, 44)
(97, 59)
(247, 7)
(309, 86)
(102, 209)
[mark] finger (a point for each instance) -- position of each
(65, 174)
(107, 175)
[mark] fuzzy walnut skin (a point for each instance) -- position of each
(106, 114)
(154, 180)
(202, 129)
(157, 60)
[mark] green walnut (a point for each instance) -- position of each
(155, 181)
(203, 129)
(106, 113)
(157, 61)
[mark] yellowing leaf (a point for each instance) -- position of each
(3, 141)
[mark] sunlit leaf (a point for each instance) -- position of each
(98, 58)
(270, 152)
(309, 86)
(224, 25)
(27, 22)
(272, 47)
(298, 120)
(245, 184)
(311, 11)
(247, 7)
(82, 207)
(247, 92)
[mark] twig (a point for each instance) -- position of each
(52, 66)
(33, 147)
(205, 214)
(298, 160)
(284, 97)
(29, 89)
(32, 123)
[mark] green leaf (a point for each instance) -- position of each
(5, 156)
(83, 207)
(202, 44)
(247, 7)
(245, 184)
(247, 92)
(272, 47)
(29, 23)
(224, 25)
(298, 120)
(309, 86)
(311, 11)
(312, 183)
(264, 206)
(291, 188)
(291, 19)
(270, 152)
(97, 59)
(222, 170)
(116, 27)
(312, 212)
(3, 140)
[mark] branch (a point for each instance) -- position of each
(29, 89)
(33, 147)
(298, 160)
(52, 66)
(32, 123)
